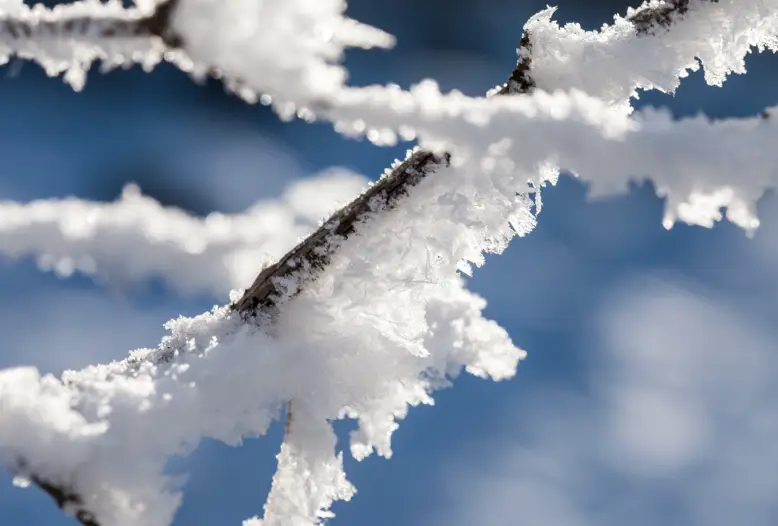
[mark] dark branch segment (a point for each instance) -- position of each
(648, 19)
(313, 254)
(520, 80)
(67, 499)
(158, 24)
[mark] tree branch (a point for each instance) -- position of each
(300, 266)
(121, 24)
(314, 253)
(283, 280)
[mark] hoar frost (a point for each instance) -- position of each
(389, 320)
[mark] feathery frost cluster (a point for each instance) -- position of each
(388, 320)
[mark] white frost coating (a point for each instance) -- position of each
(614, 62)
(386, 323)
(107, 430)
(698, 164)
(309, 478)
(611, 64)
(697, 171)
(70, 37)
(286, 50)
(135, 238)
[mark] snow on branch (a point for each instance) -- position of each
(103, 433)
(68, 38)
(315, 252)
(386, 321)
(651, 16)
(284, 49)
(380, 316)
(357, 358)
(698, 164)
(286, 52)
(653, 47)
(135, 238)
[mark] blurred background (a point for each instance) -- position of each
(647, 396)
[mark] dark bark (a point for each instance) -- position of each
(67, 498)
(647, 20)
(313, 254)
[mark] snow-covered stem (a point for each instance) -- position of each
(135, 238)
(284, 280)
(201, 37)
(86, 19)
(314, 252)
(69, 37)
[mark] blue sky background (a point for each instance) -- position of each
(646, 397)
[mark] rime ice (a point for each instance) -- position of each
(388, 321)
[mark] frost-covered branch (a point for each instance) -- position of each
(69, 37)
(286, 50)
(65, 500)
(287, 53)
(649, 17)
(674, 32)
(289, 275)
(386, 316)
(103, 434)
(656, 50)
(135, 238)
(653, 47)
(92, 506)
